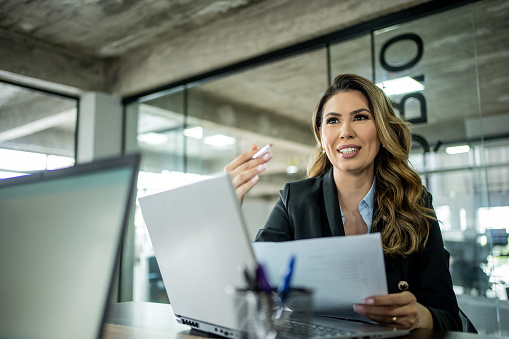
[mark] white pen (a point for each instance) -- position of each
(262, 151)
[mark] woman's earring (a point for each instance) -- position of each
(323, 151)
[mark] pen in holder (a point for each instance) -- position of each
(262, 315)
(253, 310)
(263, 312)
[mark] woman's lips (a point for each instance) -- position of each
(348, 151)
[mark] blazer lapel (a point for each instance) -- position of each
(330, 198)
(376, 228)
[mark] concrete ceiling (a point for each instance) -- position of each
(111, 28)
(111, 36)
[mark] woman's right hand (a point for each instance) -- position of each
(244, 171)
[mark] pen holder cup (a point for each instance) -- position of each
(263, 315)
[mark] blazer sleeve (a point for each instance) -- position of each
(278, 227)
(434, 288)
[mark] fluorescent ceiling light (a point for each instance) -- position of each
(457, 149)
(400, 86)
(219, 140)
(152, 138)
(194, 132)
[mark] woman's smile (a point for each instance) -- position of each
(348, 151)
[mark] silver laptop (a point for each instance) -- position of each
(201, 245)
(60, 235)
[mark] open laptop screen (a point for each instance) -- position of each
(59, 238)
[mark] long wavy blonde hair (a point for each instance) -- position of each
(402, 217)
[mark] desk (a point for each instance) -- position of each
(133, 320)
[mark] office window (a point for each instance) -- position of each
(37, 130)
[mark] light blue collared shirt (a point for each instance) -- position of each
(365, 207)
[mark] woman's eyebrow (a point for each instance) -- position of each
(351, 113)
(360, 110)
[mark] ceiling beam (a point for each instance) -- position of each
(55, 120)
(30, 58)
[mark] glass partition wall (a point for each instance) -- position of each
(193, 132)
(435, 70)
(446, 75)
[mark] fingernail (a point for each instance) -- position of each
(261, 167)
(255, 179)
(267, 156)
(369, 301)
(358, 308)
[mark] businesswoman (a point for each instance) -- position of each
(360, 182)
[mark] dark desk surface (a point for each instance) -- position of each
(151, 320)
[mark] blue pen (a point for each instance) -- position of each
(284, 284)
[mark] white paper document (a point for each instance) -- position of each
(341, 271)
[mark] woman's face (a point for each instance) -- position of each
(348, 133)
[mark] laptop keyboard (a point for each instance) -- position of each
(298, 329)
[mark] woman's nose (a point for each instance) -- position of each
(346, 131)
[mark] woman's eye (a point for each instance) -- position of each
(332, 120)
(361, 117)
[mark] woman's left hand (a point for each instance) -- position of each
(400, 310)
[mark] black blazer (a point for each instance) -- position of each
(310, 209)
